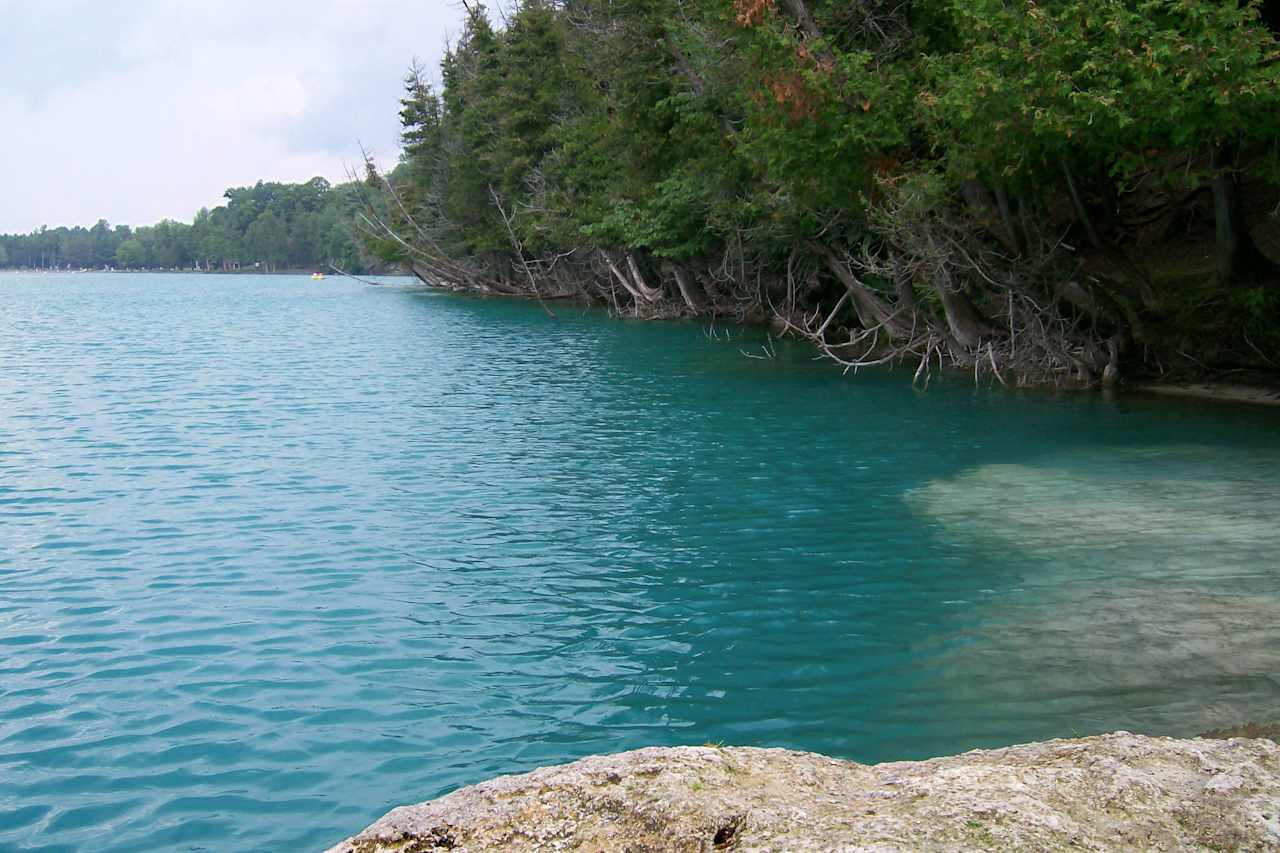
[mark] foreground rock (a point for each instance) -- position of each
(1115, 792)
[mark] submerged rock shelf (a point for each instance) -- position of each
(1113, 792)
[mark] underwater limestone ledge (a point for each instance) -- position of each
(1114, 792)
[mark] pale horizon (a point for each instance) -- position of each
(151, 111)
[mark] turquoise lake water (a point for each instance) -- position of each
(278, 555)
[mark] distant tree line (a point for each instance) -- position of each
(1023, 188)
(269, 226)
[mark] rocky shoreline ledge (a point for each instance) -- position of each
(1227, 392)
(1112, 792)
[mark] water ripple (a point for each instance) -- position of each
(276, 556)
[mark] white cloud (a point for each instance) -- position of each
(143, 110)
(262, 101)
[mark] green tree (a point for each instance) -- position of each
(130, 254)
(267, 240)
(1034, 92)
(898, 176)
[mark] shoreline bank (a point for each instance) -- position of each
(1208, 389)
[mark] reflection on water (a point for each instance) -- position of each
(1151, 591)
(277, 555)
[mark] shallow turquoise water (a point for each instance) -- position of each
(278, 555)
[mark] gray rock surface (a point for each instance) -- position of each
(1115, 792)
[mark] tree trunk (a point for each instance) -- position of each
(905, 290)
(689, 289)
(1082, 213)
(963, 318)
(636, 296)
(803, 19)
(1006, 216)
(871, 310)
(421, 274)
(1239, 260)
(650, 293)
(695, 80)
(983, 204)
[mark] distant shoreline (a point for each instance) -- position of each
(250, 271)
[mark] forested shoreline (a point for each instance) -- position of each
(1068, 191)
(266, 227)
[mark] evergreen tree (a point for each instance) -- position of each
(945, 178)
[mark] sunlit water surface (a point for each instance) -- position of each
(277, 555)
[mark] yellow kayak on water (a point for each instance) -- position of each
(317, 276)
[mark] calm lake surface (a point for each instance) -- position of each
(278, 555)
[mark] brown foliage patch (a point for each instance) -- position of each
(791, 92)
(751, 13)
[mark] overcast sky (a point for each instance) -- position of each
(138, 110)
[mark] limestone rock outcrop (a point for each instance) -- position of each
(1113, 792)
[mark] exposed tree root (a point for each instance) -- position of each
(937, 287)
